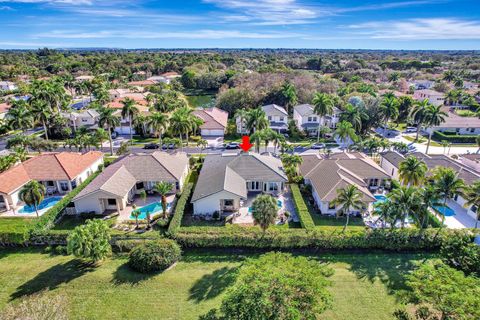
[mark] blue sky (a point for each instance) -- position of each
(343, 24)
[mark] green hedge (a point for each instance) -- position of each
(454, 138)
(176, 221)
(306, 220)
(46, 221)
(409, 239)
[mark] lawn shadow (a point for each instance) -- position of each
(125, 275)
(211, 285)
(52, 278)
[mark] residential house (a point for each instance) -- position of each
(140, 102)
(84, 118)
(307, 120)
(115, 94)
(434, 97)
(7, 86)
(467, 85)
(115, 188)
(4, 107)
(456, 124)
(159, 79)
(84, 78)
(422, 84)
(471, 160)
(142, 83)
(390, 162)
(214, 124)
(229, 182)
(59, 172)
(327, 174)
(277, 117)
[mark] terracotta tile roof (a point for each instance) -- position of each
(213, 118)
(142, 83)
(48, 166)
(4, 107)
(139, 100)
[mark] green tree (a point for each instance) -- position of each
(19, 116)
(289, 93)
(449, 75)
(447, 183)
(33, 194)
(353, 115)
(256, 120)
(129, 111)
(108, 120)
(180, 122)
(418, 115)
(429, 198)
(277, 286)
(389, 109)
(322, 106)
(159, 123)
(90, 241)
(264, 211)
(407, 200)
(471, 194)
(345, 132)
(349, 198)
(434, 116)
(163, 188)
(412, 171)
(135, 213)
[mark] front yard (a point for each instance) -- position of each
(363, 286)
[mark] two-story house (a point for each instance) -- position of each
(307, 120)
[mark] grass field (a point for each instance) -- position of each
(15, 224)
(364, 285)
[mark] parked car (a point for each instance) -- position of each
(172, 146)
(151, 146)
(410, 130)
(317, 146)
(232, 145)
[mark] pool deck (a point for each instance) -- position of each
(15, 212)
(125, 213)
(461, 219)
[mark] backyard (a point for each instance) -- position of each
(363, 286)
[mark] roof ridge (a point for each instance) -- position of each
(61, 165)
(167, 169)
(212, 117)
(257, 156)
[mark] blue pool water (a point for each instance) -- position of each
(279, 204)
(46, 203)
(153, 208)
(380, 198)
(446, 211)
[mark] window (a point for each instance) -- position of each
(228, 202)
(84, 120)
(472, 130)
(331, 206)
(64, 185)
(112, 202)
(272, 186)
(474, 209)
(455, 197)
(74, 183)
(139, 185)
(314, 119)
(282, 119)
(309, 119)
(269, 118)
(50, 184)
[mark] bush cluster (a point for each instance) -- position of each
(454, 138)
(306, 220)
(176, 221)
(154, 256)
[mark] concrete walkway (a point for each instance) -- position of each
(422, 147)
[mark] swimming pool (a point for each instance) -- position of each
(46, 203)
(380, 198)
(446, 211)
(153, 208)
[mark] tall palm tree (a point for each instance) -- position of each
(349, 198)
(100, 135)
(429, 199)
(447, 183)
(267, 135)
(41, 111)
(345, 132)
(108, 120)
(277, 139)
(256, 120)
(407, 200)
(412, 171)
(158, 122)
(163, 188)
(129, 110)
(434, 116)
(19, 116)
(449, 75)
(417, 114)
(389, 109)
(180, 122)
(472, 196)
(290, 94)
(256, 138)
(33, 194)
(264, 211)
(353, 115)
(323, 105)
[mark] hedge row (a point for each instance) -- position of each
(306, 220)
(384, 239)
(176, 221)
(454, 138)
(47, 220)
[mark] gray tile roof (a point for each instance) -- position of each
(230, 173)
(393, 157)
(304, 109)
(273, 108)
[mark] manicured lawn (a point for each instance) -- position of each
(363, 286)
(423, 140)
(15, 224)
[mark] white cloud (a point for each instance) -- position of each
(70, 2)
(419, 29)
(195, 34)
(6, 8)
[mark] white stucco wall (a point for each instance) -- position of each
(389, 168)
(210, 204)
(212, 132)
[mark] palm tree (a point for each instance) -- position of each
(180, 122)
(135, 213)
(389, 109)
(129, 111)
(277, 139)
(417, 114)
(323, 105)
(163, 188)
(407, 200)
(412, 171)
(264, 211)
(449, 75)
(158, 122)
(100, 135)
(241, 114)
(349, 198)
(256, 138)
(472, 196)
(353, 115)
(290, 94)
(267, 135)
(434, 116)
(429, 199)
(458, 82)
(256, 120)
(345, 132)
(19, 116)
(108, 120)
(203, 144)
(33, 194)
(42, 112)
(447, 184)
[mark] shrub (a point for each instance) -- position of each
(154, 256)
(461, 253)
(454, 138)
(176, 221)
(127, 245)
(61, 250)
(306, 220)
(90, 241)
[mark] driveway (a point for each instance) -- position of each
(422, 147)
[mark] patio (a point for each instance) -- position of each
(15, 212)
(139, 202)
(461, 219)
